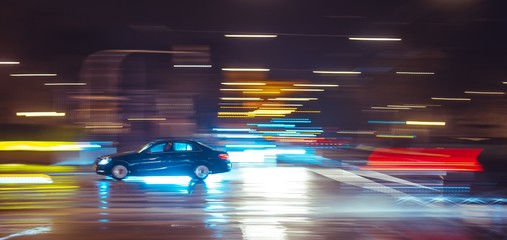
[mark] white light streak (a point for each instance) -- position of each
(423, 123)
(301, 90)
(241, 89)
(251, 35)
(33, 75)
(485, 92)
(292, 99)
(9, 63)
(244, 83)
(336, 72)
(451, 99)
(416, 73)
(191, 66)
(241, 99)
(314, 85)
(65, 84)
(373, 39)
(246, 69)
(40, 114)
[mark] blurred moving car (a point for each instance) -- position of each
(165, 157)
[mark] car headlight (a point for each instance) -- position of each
(104, 161)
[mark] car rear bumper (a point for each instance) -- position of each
(225, 166)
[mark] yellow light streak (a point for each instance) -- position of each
(191, 66)
(253, 92)
(308, 111)
(336, 72)
(244, 83)
(394, 136)
(302, 90)
(425, 123)
(43, 146)
(40, 114)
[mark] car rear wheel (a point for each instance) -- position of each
(201, 172)
(119, 172)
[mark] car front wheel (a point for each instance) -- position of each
(201, 172)
(119, 172)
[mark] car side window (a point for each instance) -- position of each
(181, 146)
(157, 148)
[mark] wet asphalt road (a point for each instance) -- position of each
(253, 203)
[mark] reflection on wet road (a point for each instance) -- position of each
(251, 203)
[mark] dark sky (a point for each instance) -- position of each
(463, 41)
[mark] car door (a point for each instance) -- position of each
(181, 157)
(152, 161)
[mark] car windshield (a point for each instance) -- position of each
(146, 146)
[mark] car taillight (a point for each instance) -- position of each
(223, 156)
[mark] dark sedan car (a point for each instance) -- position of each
(165, 157)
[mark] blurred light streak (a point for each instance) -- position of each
(373, 39)
(25, 178)
(249, 146)
(35, 168)
(282, 105)
(9, 63)
(451, 99)
(301, 90)
(425, 123)
(241, 89)
(33, 231)
(407, 106)
(269, 125)
(236, 107)
(314, 85)
(336, 72)
(65, 84)
(146, 119)
(40, 114)
(177, 180)
(385, 122)
(33, 75)
(307, 111)
(191, 66)
(292, 99)
(416, 73)
(291, 121)
(245, 69)
(253, 92)
(424, 159)
(45, 146)
(392, 108)
(240, 99)
(231, 104)
(395, 136)
(296, 135)
(232, 129)
(473, 139)
(485, 93)
(386, 177)
(238, 136)
(504, 82)
(244, 83)
(356, 132)
(251, 35)
(103, 126)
